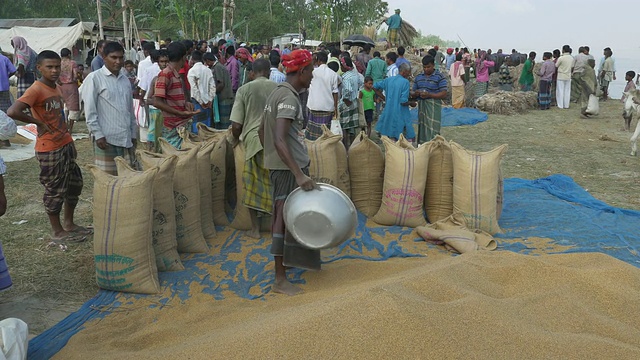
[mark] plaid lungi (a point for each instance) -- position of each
(457, 96)
(282, 243)
(25, 82)
(257, 185)
(172, 136)
(544, 94)
(224, 109)
(5, 101)
(105, 159)
(429, 116)
(316, 120)
(393, 36)
(576, 86)
(349, 118)
(481, 88)
(155, 126)
(61, 177)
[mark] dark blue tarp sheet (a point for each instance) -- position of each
(456, 117)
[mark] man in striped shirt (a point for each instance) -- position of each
(169, 95)
(430, 88)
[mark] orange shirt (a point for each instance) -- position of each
(47, 106)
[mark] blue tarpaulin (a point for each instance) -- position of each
(456, 117)
(554, 207)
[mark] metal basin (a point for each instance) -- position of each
(320, 219)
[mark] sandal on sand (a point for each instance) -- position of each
(71, 238)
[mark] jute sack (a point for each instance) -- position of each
(204, 184)
(217, 164)
(366, 168)
(241, 217)
(475, 186)
(500, 196)
(122, 221)
(230, 191)
(438, 199)
(323, 165)
(163, 234)
(186, 193)
(405, 177)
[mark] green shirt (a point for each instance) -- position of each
(526, 77)
(367, 99)
(247, 111)
(284, 103)
(377, 69)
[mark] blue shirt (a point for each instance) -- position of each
(394, 21)
(449, 60)
(433, 84)
(97, 63)
(277, 76)
(395, 118)
(401, 61)
(6, 68)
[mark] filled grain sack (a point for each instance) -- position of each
(165, 245)
(186, 193)
(122, 221)
(217, 163)
(438, 200)
(405, 178)
(230, 191)
(241, 217)
(323, 167)
(475, 186)
(500, 195)
(204, 184)
(366, 169)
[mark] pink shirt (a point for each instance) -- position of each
(482, 75)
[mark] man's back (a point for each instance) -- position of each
(323, 85)
(377, 69)
(248, 109)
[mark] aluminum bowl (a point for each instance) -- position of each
(320, 219)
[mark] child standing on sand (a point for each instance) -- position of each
(55, 150)
(630, 86)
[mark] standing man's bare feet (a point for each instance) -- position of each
(285, 287)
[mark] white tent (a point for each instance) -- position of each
(48, 38)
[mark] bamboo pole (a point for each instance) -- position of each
(99, 5)
(125, 24)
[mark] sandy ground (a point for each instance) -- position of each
(49, 283)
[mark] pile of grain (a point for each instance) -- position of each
(507, 102)
(479, 305)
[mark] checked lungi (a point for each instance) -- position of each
(257, 184)
(5, 101)
(544, 94)
(282, 243)
(61, 177)
(224, 111)
(105, 159)
(316, 120)
(429, 118)
(393, 36)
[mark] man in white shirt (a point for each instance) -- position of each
(323, 97)
(579, 66)
(146, 63)
(109, 110)
(564, 65)
(203, 89)
(275, 75)
(392, 68)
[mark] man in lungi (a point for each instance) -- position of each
(108, 103)
(323, 97)
(56, 153)
(430, 88)
(288, 162)
(394, 22)
(246, 117)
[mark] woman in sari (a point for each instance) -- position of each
(25, 61)
(68, 83)
(482, 74)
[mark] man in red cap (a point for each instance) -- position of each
(450, 58)
(245, 58)
(286, 158)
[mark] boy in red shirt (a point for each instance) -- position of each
(59, 173)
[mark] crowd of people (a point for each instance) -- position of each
(270, 99)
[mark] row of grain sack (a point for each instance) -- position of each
(144, 219)
(403, 184)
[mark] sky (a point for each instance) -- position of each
(540, 25)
